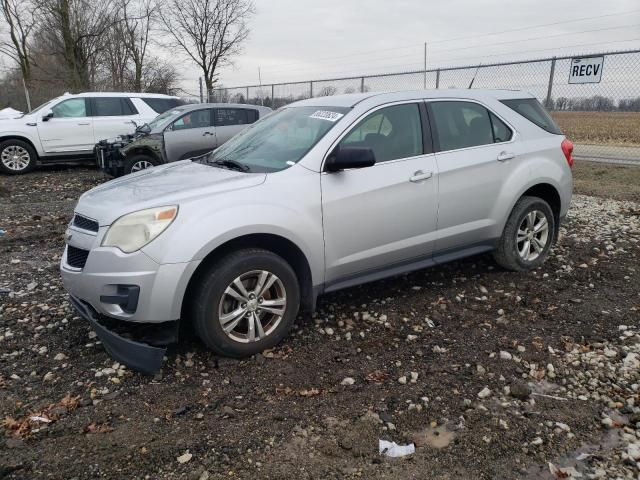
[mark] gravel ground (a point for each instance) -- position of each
(491, 374)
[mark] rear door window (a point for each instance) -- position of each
(161, 105)
(392, 132)
(461, 125)
(532, 110)
(112, 107)
(501, 132)
(232, 116)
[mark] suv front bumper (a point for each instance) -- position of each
(131, 288)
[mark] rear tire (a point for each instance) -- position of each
(17, 157)
(245, 303)
(527, 237)
(139, 162)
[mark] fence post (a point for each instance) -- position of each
(438, 78)
(273, 102)
(311, 89)
(547, 102)
(246, 100)
(362, 85)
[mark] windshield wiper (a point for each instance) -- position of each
(231, 165)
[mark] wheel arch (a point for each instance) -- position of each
(4, 138)
(141, 150)
(550, 194)
(277, 244)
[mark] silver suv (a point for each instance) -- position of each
(323, 194)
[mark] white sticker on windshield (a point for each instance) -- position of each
(327, 115)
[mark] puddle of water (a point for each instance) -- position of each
(436, 437)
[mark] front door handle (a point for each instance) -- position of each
(84, 123)
(419, 176)
(206, 133)
(504, 156)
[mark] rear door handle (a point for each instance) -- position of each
(420, 176)
(84, 123)
(504, 156)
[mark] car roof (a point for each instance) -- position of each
(352, 99)
(119, 94)
(197, 106)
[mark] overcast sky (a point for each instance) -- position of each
(303, 40)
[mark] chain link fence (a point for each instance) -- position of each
(602, 119)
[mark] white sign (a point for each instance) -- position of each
(586, 70)
(327, 115)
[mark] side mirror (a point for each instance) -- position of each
(343, 158)
(47, 115)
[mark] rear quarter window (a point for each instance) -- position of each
(532, 110)
(161, 105)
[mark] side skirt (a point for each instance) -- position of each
(420, 263)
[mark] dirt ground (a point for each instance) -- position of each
(492, 374)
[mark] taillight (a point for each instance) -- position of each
(567, 149)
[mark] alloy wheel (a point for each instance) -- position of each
(15, 158)
(252, 306)
(141, 165)
(533, 235)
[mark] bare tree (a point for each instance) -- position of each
(138, 17)
(210, 32)
(116, 57)
(76, 30)
(21, 20)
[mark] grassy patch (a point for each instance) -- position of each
(611, 181)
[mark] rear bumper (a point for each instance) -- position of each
(138, 356)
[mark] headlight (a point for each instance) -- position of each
(133, 231)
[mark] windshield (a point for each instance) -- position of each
(280, 139)
(164, 118)
(42, 106)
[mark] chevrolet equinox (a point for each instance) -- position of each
(320, 195)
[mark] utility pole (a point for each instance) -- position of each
(26, 95)
(260, 82)
(201, 96)
(425, 66)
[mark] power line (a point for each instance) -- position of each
(324, 59)
(351, 74)
(307, 69)
(416, 64)
(541, 37)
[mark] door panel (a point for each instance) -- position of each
(475, 155)
(113, 116)
(382, 215)
(190, 135)
(69, 130)
(377, 216)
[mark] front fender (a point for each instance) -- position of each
(289, 208)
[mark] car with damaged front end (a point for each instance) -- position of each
(323, 194)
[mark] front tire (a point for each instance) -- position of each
(527, 236)
(247, 302)
(17, 157)
(139, 162)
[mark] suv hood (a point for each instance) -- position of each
(168, 184)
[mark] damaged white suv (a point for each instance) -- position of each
(321, 195)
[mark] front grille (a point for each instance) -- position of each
(76, 257)
(85, 223)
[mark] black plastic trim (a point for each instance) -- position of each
(135, 355)
(416, 263)
(126, 298)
